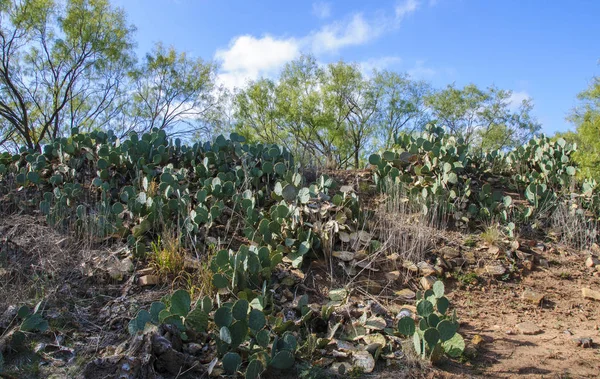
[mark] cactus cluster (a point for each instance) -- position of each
(435, 331)
(475, 185)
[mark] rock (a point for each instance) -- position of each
(514, 245)
(364, 360)
(458, 263)
(392, 276)
(145, 271)
(441, 262)
(405, 293)
(427, 282)
(598, 268)
(345, 256)
(589, 293)
(449, 252)
(523, 255)
(592, 261)
(410, 266)
(375, 323)
(372, 287)
(148, 280)
(584, 342)
(426, 269)
(528, 328)
(470, 257)
(341, 368)
(532, 297)
(543, 263)
(494, 251)
(495, 269)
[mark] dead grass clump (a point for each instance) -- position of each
(492, 234)
(34, 259)
(573, 226)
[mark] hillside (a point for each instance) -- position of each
(147, 257)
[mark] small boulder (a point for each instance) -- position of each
(584, 342)
(148, 280)
(532, 296)
(589, 293)
(592, 261)
(427, 282)
(528, 328)
(495, 269)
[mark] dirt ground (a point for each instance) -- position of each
(88, 310)
(493, 311)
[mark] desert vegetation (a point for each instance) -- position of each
(325, 222)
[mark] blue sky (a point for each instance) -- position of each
(544, 49)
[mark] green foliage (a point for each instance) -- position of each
(437, 330)
(483, 118)
(443, 173)
(63, 61)
(586, 119)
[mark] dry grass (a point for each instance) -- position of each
(34, 259)
(492, 234)
(573, 227)
(167, 255)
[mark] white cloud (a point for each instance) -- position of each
(337, 35)
(321, 9)
(516, 99)
(405, 8)
(248, 58)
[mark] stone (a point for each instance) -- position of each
(364, 361)
(427, 282)
(494, 251)
(495, 269)
(406, 293)
(148, 280)
(145, 271)
(528, 328)
(584, 342)
(589, 293)
(341, 368)
(592, 261)
(598, 268)
(458, 263)
(372, 287)
(523, 255)
(543, 263)
(532, 296)
(470, 257)
(449, 252)
(426, 269)
(345, 256)
(375, 323)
